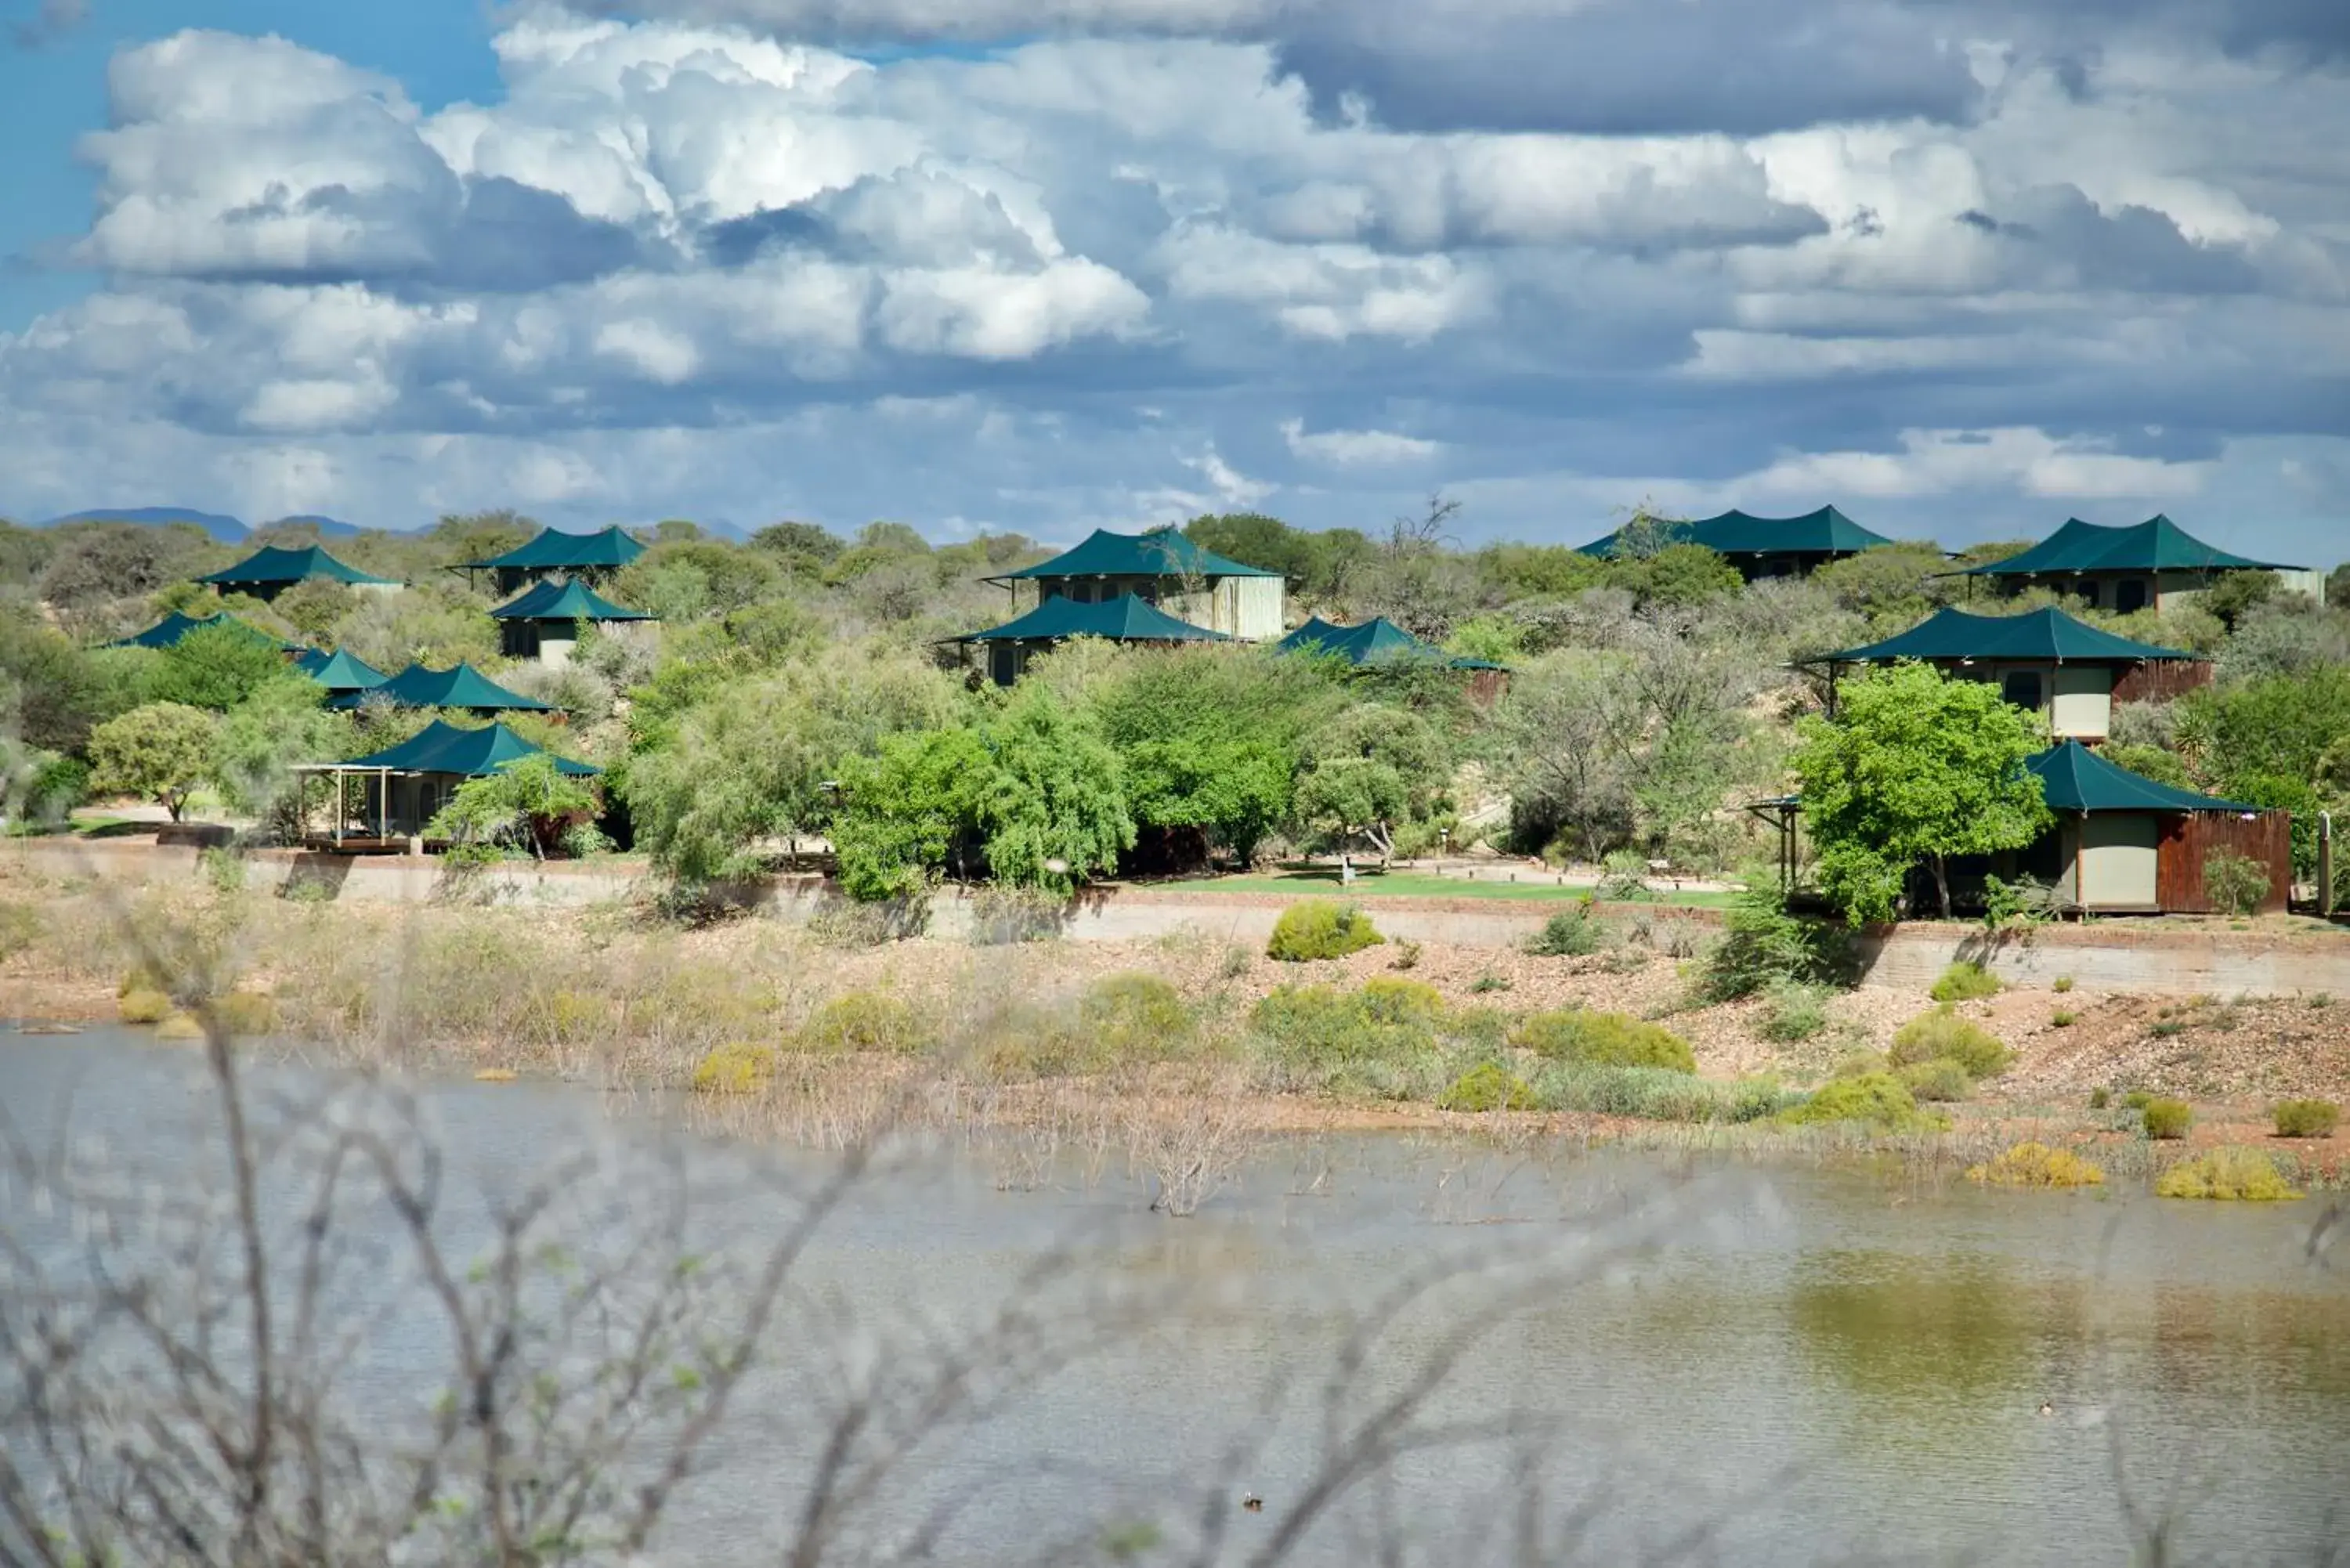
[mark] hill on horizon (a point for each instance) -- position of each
(226, 529)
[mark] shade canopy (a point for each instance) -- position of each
(574, 600)
(2041, 634)
(442, 747)
(1373, 642)
(1156, 552)
(340, 670)
(1124, 618)
(277, 564)
(462, 687)
(1827, 531)
(167, 632)
(554, 550)
(2156, 544)
(2074, 778)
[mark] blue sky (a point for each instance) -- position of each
(1961, 267)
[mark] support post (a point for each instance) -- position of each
(2325, 864)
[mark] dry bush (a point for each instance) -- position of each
(2037, 1165)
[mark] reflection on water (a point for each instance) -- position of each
(1802, 1370)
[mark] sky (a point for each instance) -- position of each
(1963, 268)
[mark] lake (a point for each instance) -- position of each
(1710, 1363)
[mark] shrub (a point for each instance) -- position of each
(1655, 1094)
(1879, 1098)
(2244, 1175)
(1797, 1011)
(2136, 1100)
(1406, 956)
(863, 1021)
(180, 1026)
(2063, 983)
(1136, 1015)
(2061, 1019)
(1319, 1037)
(1318, 929)
(2037, 1165)
(20, 927)
(1942, 1035)
(2236, 884)
(142, 1005)
(1408, 1001)
(2167, 1119)
(1603, 1039)
(1763, 946)
(246, 1013)
(2307, 1118)
(1941, 1080)
(1569, 934)
(2099, 1098)
(1485, 984)
(1490, 1087)
(735, 1069)
(1965, 982)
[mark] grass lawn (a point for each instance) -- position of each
(1424, 885)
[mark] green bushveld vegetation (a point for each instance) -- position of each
(2037, 1165)
(2233, 1173)
(2306, 1118)
(1876, 1098)
(1964, 982)
(1941, 1035)
(1318, 930)
(2167, 1119)
(1603, 1040)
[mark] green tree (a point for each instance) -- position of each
(744, 762)
(2273, 726)
(1915, 768)
(911, 807)
(2152, 762)
(1266, 543)
(460, 536)
(1676, 573)
(1053, 805)
(56, 691)
(94, 563)
(215, 667)
(1511, 571)
(263, 738)
(805, 548)
(316, 607)
(529, 801)
(1368, 773)
(1890, 584)
(161, 751)
(23, 554)
(687, 580)
(2237, 593)
(2338, 587)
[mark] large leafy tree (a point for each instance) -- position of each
(161, 751)
(1369, 774)
(528, 802)
(745, 763)
(911, 807)
(263, 738)
(215, 667)
(52, 692)
(1915, 768)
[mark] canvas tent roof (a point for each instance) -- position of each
(2074, 778)
(1370, 643)
(462, 687)
(553, 549)
(1124, 618)
(167, 632)
(573, 600)
(1156, 552)
(340, 670)
(1827, 531)
(278, 564)
(2047, 633)
(2156, 544)
(442, 747)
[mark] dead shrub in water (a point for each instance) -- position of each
(1188, 1143)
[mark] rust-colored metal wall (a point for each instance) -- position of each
(2160, 681)
(2188, 838)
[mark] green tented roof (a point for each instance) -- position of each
(340, 670)
(1827, 531)
(2074, 778)
(442, 747)
(277, 564)
(2156, 544)
(1124, 618)
(462, 687)
(552, 550)
(2047, 633)
(1156, 553)
(574, 600)
(167, 632)
(1373, 642)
